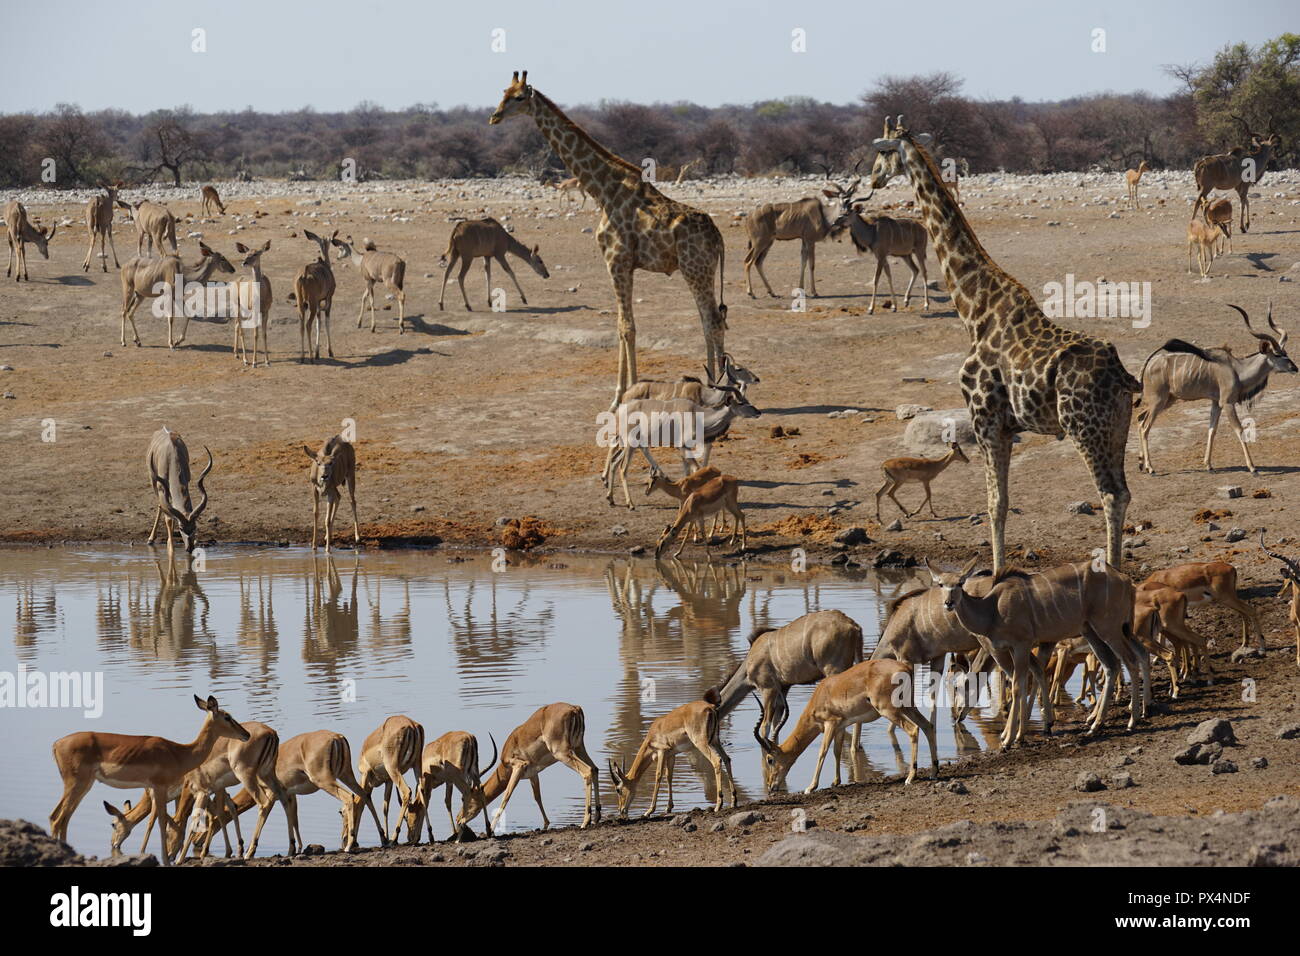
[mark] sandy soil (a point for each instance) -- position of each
(474, 416)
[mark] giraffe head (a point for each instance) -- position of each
(518, 98)
(889, 162)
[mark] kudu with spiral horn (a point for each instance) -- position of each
(1181, 372)
(169, 476)
(1290, 580)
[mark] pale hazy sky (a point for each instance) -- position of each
(278, 55)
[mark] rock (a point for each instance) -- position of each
(1122, 780)
(1289, 732)
(895, 525)
(1080, 508)
(1269, 854)
(956, 786)
(718, 827)
(618, 531)
(587, 847)
(852, 536)
(906, 412)
(1234, 534)
(23, 843)
(416, 509)
(814, 848)
(1088, 782)
(891, 559)
(1199, 754)
(1230, 491)
(745, 818)
(1223, 766)
(313, 849)
(1259, 763)
(928, 433)
(1214, 730)
(1250, 652)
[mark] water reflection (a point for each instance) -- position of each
(441, 637)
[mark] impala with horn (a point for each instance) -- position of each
(169, 476)
(1290, 581)
(1181, 372)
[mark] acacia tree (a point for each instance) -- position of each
(168, 142)
(74, 142)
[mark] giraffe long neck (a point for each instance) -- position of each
(603, 175)
(967, 266)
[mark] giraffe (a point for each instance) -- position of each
(1024, 372)
(640, 227)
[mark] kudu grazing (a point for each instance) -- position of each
(1181, 372)
(148, 278)
(211, 200)
(487, 239)
(253, 296)
(859, 695)
(386, 267)
(884, 237)
(553, 734)
(133, 763)
(154, 226)
(387, 754)
(710, 499)
(1213, 582)
(1290, 581)
(99, 224)
(1133, 177)
(313, 292)
(902, 471)
(169, 476)
(805, 220)
(691, 727)
(1021, 611)
(20, 231)
(804, 651)
(1240, 170)
(451, 761)
(333, 466)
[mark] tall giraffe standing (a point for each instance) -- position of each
(640, 227)
(1024, 372)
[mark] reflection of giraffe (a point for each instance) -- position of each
(640, 227)
(1024, 372)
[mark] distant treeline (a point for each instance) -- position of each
(1258, 88)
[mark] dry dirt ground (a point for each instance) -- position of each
(473, 416)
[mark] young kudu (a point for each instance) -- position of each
(254, 300)
(155, 226)
(147, 278)
(386, 267)
(99, 224)
(313, 290)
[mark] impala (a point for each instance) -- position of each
(901, 471)
(553, 734)
(450, 761)
(859, 695)
(1213, 582)
(692, 726)
(133, 762)
(391, 750)
(1290, 581)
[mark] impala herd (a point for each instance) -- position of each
(1033, 628)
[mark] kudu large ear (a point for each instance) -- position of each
(966, 571)
(308, 452)
(933, 573)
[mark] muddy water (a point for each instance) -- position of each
(303, 642)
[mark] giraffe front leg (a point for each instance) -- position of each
(996, 448)
(620, 272)
(1100, 434)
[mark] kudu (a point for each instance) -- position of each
(804, 651)
(1290, 581)
(99, 224)
(884, 236)
(386, 267)
(487, 239)
(148, 278)
(1240, 170)
(313, 291)
(154, 225)
(1181, 372)
(168, 460)
(20, 231)
(253, 296)
(805, 220)
(333, 466)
